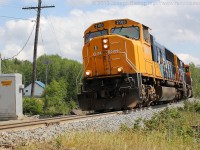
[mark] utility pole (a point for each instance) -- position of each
(39, 7)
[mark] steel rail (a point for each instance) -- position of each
(24, 125)
(49, 121)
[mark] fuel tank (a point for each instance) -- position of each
(166, 93)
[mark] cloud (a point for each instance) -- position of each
(12, 49)
(187, 58)
(80, 2)
(36, 1)
(2, 2)
(171, 25)
(13, 36)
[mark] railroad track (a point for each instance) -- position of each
(24, 125)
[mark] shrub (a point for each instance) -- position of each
(55, 96)
(192, 106)
(125, 128)
(174, 122)
(60, 108)
(32, 106)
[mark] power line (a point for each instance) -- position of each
(23, 46)
(16, 18)
(11, 6)
(55, 35)
(42, 41)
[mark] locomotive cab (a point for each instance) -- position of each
(115, 47)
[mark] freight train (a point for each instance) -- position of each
(125, 67)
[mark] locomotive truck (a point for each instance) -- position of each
(125, 67)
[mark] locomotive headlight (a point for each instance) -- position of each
(88, 73)
(105, 46)
(120, 69)
(105, 41)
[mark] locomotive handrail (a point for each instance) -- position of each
(79, 76)
(135, 68)
(130, 63)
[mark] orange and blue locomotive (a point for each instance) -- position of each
(125, 67)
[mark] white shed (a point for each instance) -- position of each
(39, 89)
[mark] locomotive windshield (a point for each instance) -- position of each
(91, 35)
(129, 32)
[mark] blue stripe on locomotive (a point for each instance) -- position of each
(158, 54)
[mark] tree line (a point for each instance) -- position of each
(195, 71)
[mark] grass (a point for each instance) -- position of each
(117, 141)
(169, 130)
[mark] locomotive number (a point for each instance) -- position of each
(97, 53)
(99, 25)
(113, 51)
(120, 22)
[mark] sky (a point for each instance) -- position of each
(175, 24)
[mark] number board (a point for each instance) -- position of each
(120, 22)
(99, 25)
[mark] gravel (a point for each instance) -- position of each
(109, 124)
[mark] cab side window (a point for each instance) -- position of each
(160, 55)
(186, 69)
(146, 34)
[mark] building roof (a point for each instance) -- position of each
(40, 84)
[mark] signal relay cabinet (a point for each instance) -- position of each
(11, 90)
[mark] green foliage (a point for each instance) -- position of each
(57, 69)
(56, 93)
(17, 66)
(32, 106)
(195, 71)
(174, 122)
(72, 104)
(170, 123)
(125, 128)
(192, 106)
(58, 143)
(137, 124)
